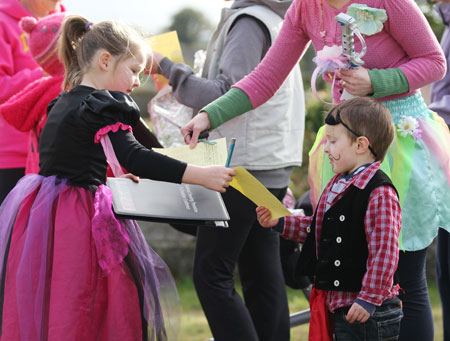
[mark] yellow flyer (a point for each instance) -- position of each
(249, 186)
(169, 46)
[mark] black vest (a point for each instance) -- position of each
(343, 248)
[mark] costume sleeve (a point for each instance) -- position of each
(140, 161)
(279, 61)
(409, 27)
(234, 103)
(388, 82)
(102, 108)
(383, 221)
(246, 43)
(296, 228)
(11, 80)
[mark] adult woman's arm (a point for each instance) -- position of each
(408, 26)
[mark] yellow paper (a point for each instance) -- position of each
(249, 186)
(169, 46)
(203, 154)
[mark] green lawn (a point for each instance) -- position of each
(195, 328)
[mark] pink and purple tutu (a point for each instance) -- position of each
(72, 271)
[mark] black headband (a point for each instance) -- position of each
(332, 121)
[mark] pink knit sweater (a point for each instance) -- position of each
(406, 41)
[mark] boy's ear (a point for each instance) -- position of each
(362, 144)
(105, 61)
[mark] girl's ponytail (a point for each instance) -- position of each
(74, 29)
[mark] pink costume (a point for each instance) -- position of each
(414, 49)
(17, 69)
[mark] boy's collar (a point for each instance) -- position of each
(349, 176)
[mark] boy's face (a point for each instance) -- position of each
(340, 149)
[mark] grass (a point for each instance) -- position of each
(194, 326)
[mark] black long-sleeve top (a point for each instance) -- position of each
(67, 148)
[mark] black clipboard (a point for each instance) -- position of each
(167, 202)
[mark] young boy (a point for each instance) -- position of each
(350, 244)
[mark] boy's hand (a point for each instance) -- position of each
(357, 313)
(264, 216)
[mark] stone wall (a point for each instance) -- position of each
(175, 248)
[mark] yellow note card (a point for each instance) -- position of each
(249, 186)
(203, 154)
(169, 46)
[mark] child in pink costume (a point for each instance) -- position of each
(70, 269)
(17, 70)
(27, 110)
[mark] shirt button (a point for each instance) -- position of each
(336, 283)
(308, 229)
(337, 262)
(338, 240)
(342, 218)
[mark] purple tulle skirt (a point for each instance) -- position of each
(72, 271)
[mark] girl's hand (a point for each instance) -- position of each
(357, 313)
(356, 81)
(195, 126)
(130, 176)
(264, 215)
(153, 60)
(216, 178)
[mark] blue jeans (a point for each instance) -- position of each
(384, 324)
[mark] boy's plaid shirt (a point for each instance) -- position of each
(382, 224)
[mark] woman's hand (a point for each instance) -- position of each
(153, 60)
(356, 81)
(216, 178)
(194, 127)
(264, 215)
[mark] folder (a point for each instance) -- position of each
(167, 202)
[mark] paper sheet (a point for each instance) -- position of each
(202, 155)
(249, 186)
(169, 46)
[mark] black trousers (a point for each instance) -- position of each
(417, 322)
(443, 277)
(8, 179)
(265, 313)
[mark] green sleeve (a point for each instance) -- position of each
(388, 82)
(234, 103)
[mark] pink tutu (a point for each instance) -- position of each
(65, 278)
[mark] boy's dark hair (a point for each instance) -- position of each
(363, 116)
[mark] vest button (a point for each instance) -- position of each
(337, 262)
(342, 218)
(336, 283)
(308, 229)
(338, 240)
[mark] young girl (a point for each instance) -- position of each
(402, 56)
(71, 270)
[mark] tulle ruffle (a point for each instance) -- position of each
(53, 287)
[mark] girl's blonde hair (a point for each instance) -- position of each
(80, 40)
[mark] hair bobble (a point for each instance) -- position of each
(88, 25)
